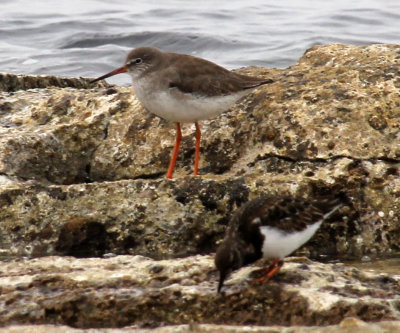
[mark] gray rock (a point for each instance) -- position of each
(82, 174)
(127, 290)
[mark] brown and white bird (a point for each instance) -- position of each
(183, 89)
(273, 228)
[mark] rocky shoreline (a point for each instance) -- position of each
(134, 290)
(82, 174)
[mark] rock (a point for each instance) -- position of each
(83, 169)
(127, 290)
(82, 174)
(382, 327)
(12, 82)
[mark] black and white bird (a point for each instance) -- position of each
(273, 228)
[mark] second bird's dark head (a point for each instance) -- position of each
(227, 259)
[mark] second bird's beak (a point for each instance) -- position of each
(120, 70)
(222, 277)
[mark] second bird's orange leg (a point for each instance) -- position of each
(175, 152)
(197, 150)
(270, 271)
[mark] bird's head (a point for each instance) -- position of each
(227, 259)
(141, 59)
(138, 61)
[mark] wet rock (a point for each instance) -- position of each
(128, 290)
(82, 173)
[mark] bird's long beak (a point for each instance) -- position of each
(222, 277)
(114, 72)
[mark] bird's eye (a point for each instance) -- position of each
(136, 61)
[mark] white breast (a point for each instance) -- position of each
(173, 105)
(279, 244)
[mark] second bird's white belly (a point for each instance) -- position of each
(279, 244)
(176, 106)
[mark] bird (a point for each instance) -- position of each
(271, 227)
(183, 89)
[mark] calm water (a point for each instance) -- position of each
(389, 266)
(89, 38)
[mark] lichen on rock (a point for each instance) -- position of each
(82, 174)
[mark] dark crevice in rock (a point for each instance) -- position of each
(155, 175)
(323, 160)
(82, 237)
(88, 180)
(106, 131)
(7, 197)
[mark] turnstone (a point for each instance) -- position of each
(272, 228)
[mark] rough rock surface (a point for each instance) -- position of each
(348, 325)
(82, 170)
(135, 290)
(82, 174)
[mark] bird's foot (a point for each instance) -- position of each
(268, 272)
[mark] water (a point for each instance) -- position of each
(88, 38)
(388, 265)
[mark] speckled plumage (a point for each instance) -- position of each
(271, 227)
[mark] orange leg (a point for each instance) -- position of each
(270, 271)
(175, 152)
(197, 151)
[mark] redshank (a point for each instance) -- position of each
(183, 89)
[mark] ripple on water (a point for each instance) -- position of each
(89, 40)
(383, 265)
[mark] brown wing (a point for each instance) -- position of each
(196, 75)
(288, 214)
